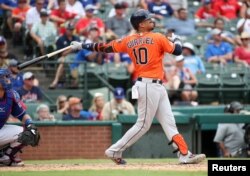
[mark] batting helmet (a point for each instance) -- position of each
(233, 106)
(139, 16)
(4, 76)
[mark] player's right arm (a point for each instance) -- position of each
(111, 47)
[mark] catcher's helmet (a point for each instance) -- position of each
(233, 106)
(4, 76)
(138, 17)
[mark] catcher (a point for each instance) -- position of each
(12, 137)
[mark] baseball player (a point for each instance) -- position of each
(146, 49)
(11, 136)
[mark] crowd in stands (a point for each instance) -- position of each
(221, 28)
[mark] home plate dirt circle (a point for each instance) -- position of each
(109, 166)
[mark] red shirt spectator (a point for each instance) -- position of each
(227, 8)
(61, 16)
(205, 11)
(90, 20)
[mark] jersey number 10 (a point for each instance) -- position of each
(141, 55)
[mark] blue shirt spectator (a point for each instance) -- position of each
(192, 61)
(80, 57)
(217, 50)
(84, 115)
(124, 57)
(160, 8)
(17, 82)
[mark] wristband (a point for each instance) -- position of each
(28, 122)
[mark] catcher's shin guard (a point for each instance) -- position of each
(179, 141)
(12, 151)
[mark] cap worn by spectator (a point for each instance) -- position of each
(44, 12)
(121, 5)
(189, 46)
(70, 26)
(13, 63)
(179, 58)
(28, 75)
(216, 31)
(119, 93)
(90, 7)
(74, 100)
(244, 35)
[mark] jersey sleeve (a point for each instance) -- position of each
(18, 108)
(119, 45)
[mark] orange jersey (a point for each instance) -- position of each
(146, 51)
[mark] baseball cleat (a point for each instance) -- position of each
(191, 158)
(14, 162)
(119, 161)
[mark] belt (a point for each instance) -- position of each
(149, 80)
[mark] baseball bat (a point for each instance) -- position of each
(38, 59)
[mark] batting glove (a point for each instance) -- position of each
(175, 39)
(76, 45)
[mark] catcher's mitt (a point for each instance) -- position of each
(30, 136)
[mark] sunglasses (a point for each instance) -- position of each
(30, 79)
(62, 101)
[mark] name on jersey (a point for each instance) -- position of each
(140, 41)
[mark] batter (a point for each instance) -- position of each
(146, 49)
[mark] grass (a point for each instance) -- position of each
(104, 172)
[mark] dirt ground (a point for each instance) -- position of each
(109, 166)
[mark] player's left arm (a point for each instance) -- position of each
(170, 43)
(18, 110)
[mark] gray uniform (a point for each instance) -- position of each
(232, 135)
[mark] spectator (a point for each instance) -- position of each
(62, 104)
(90, 20)
(118, 25)
(230, 136)
(97, 105)
(243, 24)
(206, 11)
(33, 14)
(75, 7)
(61, 16)
(5, 55)
(16, 21)
(17, 76)
(161, 9)
(66, 56)
(176, 24)
(226, 36)
(218, 51)
(44, 32)
(242, 53)
(43, 113)
(227, 9)
(29, 92)
(76, 111)
(182, 78)
(118, 105)
(192, 61)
